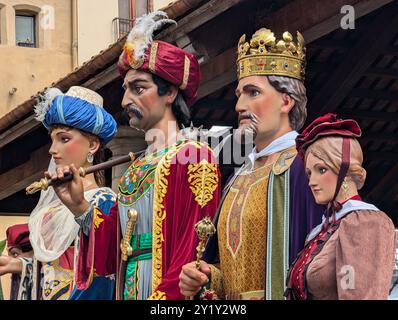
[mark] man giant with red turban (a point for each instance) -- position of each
(149, 234)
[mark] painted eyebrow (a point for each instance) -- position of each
(316, 165)
(248, 87)
(320, 164)
(135, 81)
(59, 133)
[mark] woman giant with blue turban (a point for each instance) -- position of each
(79, 128)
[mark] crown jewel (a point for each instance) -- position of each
(264, 55)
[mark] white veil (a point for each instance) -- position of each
(52, 226)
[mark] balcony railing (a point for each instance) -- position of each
(121, 27)
(28, 44)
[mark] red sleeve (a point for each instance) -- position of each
(98, 251)
(186, 191)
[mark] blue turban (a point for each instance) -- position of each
(81, 114)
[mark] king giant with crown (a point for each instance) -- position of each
(267, 207)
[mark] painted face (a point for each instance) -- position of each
(258, 106)
(141, 101)
(322, 180)
(69, 146)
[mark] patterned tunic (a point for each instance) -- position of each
(242, 229)
(171, 191)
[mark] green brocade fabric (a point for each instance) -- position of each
(277, 250)
(138, 242)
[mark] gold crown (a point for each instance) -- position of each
(264, 56)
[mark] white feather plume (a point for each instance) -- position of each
(142, 33)
(45, 101)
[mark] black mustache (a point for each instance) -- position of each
(133, 109)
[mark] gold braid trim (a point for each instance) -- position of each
(157, 295)
(187, 65)
(152, 57)
(159, 213)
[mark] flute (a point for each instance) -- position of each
(44, 183)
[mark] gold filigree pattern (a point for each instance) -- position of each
(97, 220)
(203, 181)
(157, 295)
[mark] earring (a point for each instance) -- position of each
(90, 158)
(345, 188)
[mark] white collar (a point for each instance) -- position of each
(349, 206)
(283, 142)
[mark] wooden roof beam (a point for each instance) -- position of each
(356, 62)
(379, 136)
(369, 115)
(374, 94)
(325, 16)
(20, 129)
(388, 182)
(200, 16)
(382, 72)
(220, 71)
(20, 177)
(380, 156)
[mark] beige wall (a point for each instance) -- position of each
(29, 70)
(95, 28)
(6, 222)
(158, 4)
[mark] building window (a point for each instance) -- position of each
(123, 23)
(125, 9)
(25, 30)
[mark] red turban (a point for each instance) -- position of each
(168, 62)
(18, 235)
(327, 125)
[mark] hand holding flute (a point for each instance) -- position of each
(71, 193)
(69, 185)
(48, 181)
